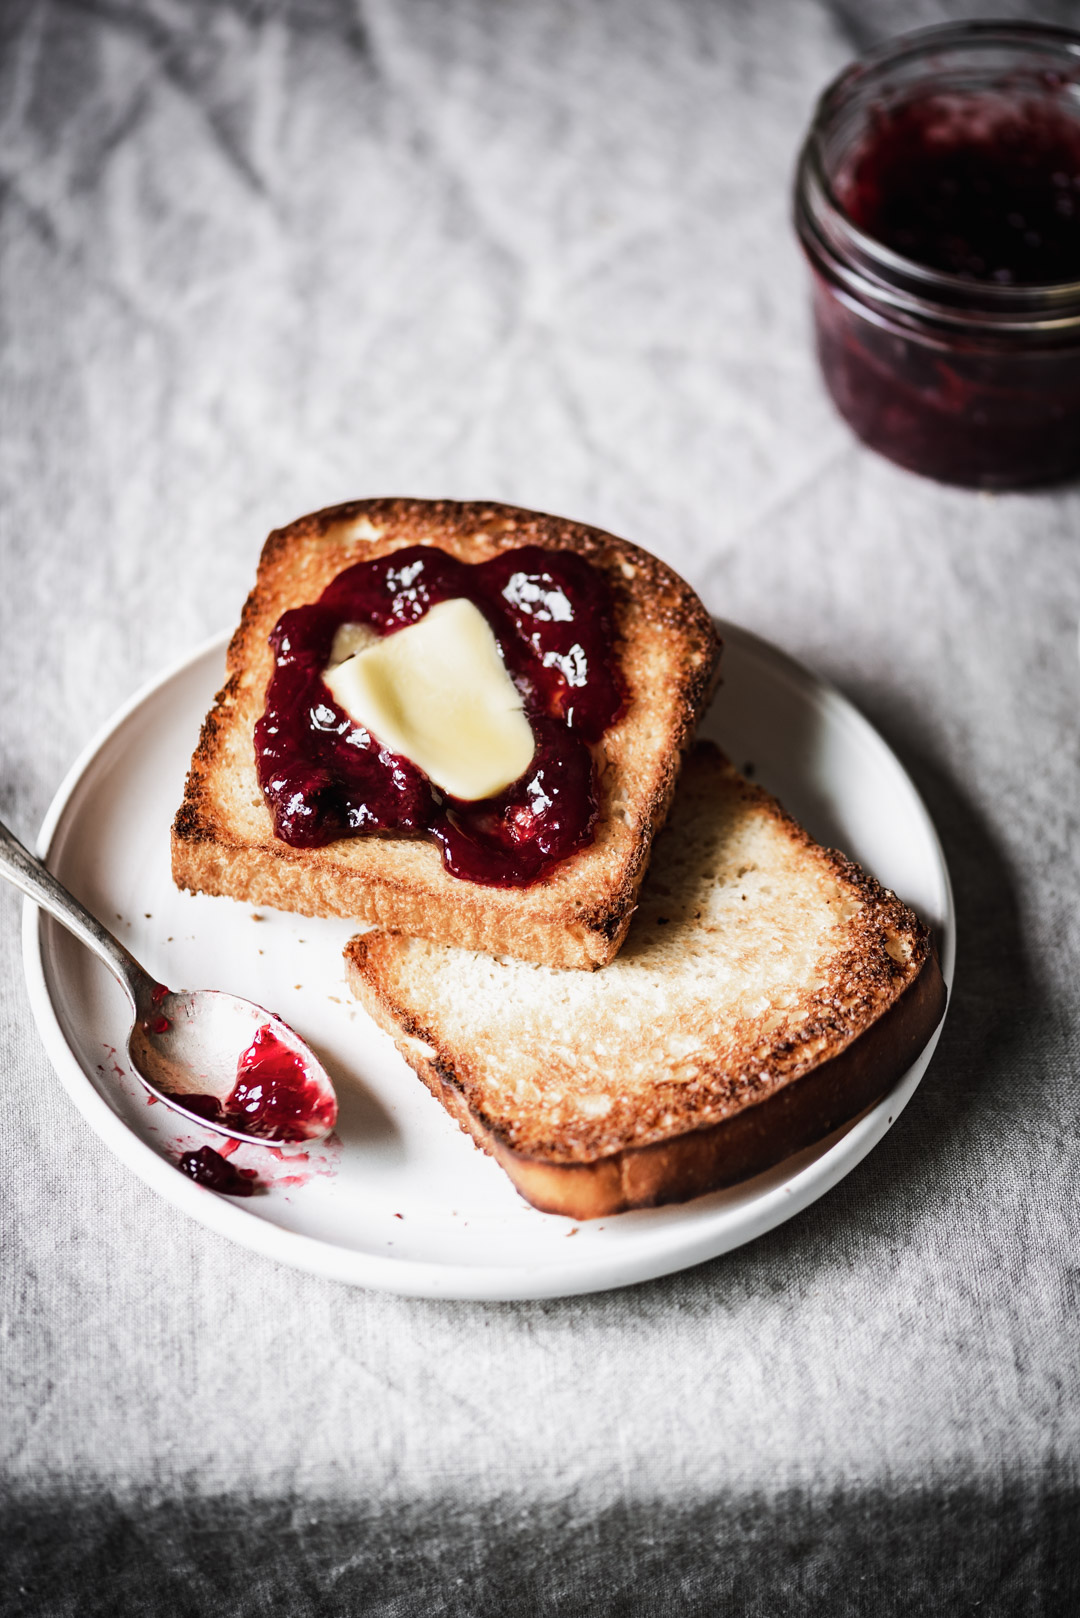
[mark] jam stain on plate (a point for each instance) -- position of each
(207, 1167)
(324, 777)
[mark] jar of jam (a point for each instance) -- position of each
(938, 201)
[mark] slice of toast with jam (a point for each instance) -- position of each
(647, 636)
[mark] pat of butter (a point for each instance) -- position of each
(438, 693)
(350, 639)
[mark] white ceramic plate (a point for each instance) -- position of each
(403, 1201)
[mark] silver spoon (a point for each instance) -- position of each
(187, 1047)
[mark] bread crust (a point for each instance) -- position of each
(768, 1081)
(792, 1117)
(223, 841)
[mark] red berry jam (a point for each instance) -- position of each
(274, 1095)
(977, 186)
(938, 201)
(209, 1168)
(324, 777)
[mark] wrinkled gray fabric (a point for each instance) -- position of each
(255, 259)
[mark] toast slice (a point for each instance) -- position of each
(768, 992)
(223, 840)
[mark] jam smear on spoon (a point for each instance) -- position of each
(274, 1094)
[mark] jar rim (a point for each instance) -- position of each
(885, 275)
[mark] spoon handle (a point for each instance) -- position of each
(27, 872)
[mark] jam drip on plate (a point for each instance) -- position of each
(209, 1168)
(274, 1095)
(325, 777)
(978, 186)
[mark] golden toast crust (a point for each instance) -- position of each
(718, 1155)
(223, 839)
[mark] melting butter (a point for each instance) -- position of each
(350, 639)
(438, 693)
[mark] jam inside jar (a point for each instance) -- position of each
(938, 202)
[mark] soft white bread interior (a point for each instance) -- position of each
(767, 992)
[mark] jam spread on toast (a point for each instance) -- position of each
(325, 777)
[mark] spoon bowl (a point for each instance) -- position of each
(223, 1062)
(226, 1062)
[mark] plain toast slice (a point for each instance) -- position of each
(768, 991)
(223, 840)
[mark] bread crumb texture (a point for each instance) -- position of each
(223, 840)
(755, 955)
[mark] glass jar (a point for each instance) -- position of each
(963, 370)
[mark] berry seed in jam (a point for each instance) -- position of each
(325, 778)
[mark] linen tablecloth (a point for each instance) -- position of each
(256, 258)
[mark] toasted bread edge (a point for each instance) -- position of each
(206, 858)
(699, 1161)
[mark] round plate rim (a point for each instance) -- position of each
(425, 1278)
